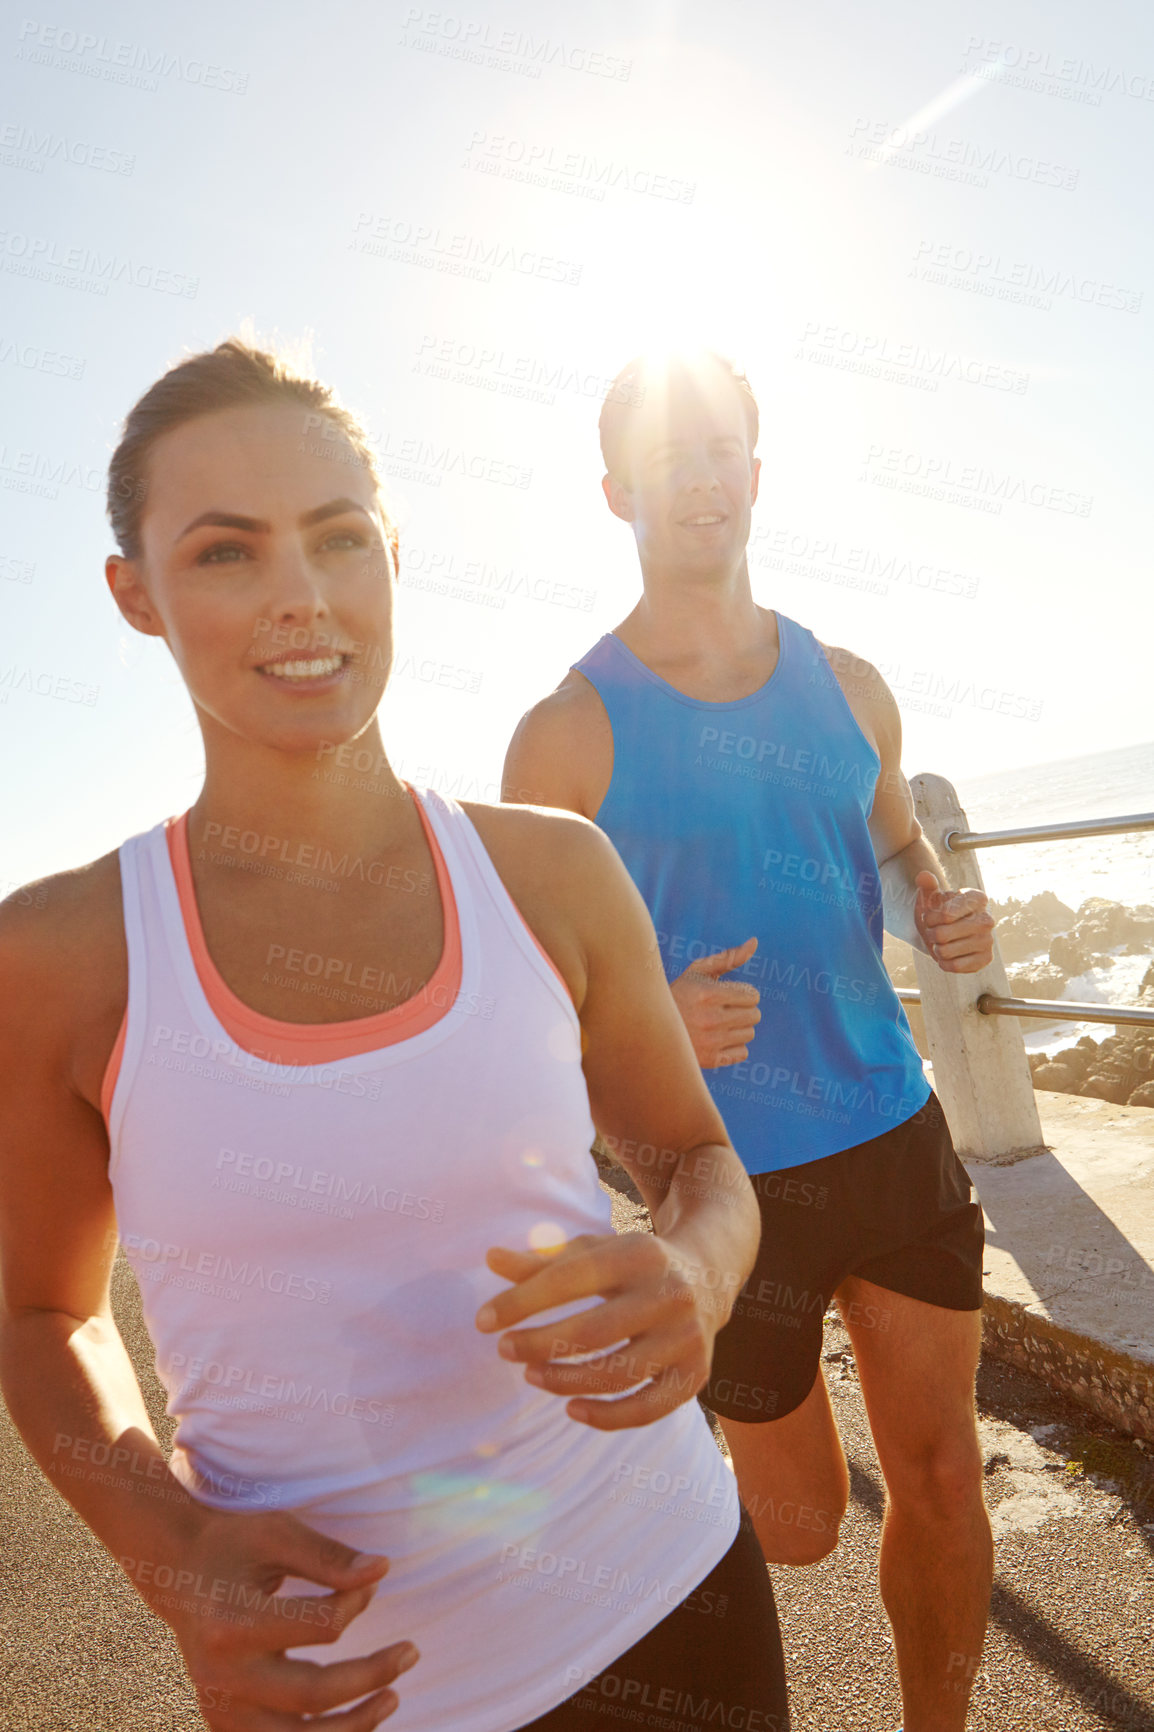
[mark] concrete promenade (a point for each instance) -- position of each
(1069, 1266)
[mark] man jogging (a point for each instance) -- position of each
(750, 778)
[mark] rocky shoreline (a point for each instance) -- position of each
(1119, 1068)
(1045, 944)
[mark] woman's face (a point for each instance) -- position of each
(264, 566)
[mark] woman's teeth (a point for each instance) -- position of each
(302, 670)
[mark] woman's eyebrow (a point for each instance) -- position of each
(260, 526)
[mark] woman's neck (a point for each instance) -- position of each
(344, 796)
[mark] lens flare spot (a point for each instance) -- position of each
(560, 1042)
(533, 1158)
(546, 1236)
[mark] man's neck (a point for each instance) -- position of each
(706, 620)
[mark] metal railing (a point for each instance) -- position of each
(1050, 1010)
(957, 840)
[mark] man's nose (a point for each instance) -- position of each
(699, 471)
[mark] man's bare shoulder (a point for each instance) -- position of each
(65, 932)
(849, 666)
(574, 704)
(862, 683)
(561, 752)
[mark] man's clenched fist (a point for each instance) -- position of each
(720, 1015)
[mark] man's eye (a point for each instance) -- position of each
(345, 538)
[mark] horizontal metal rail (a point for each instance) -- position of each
(1061, 1010)
(957, 840)
(1050, 1010)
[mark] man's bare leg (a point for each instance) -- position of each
(917, 1364)
(793, 1479)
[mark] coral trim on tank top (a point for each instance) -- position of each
(308, 1042)
(316, 1043)
(112, 1069)
(320, 1042)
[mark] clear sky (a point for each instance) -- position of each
(925, 232)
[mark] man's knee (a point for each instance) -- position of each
(790, 1531)
(940, 1484)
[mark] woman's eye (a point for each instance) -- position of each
(221, 553)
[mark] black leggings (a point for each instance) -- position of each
(720, 1648)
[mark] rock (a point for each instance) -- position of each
(1103, 925)
(1143, 1096)
(1035, 1060)
(1129, 1049)
(1073, 1059)
(1020, 935)
(1107, 1088)
(1108, 918)
(1088, 1043)
(1069, 953)
(1148, 978)
(1140, 937)
(1057, 1078)
(1050, 911)
(1038, 980)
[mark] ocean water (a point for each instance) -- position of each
(1106, 785)
(1119, 868)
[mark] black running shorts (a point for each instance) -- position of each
(896, 1210)
(715, 1660)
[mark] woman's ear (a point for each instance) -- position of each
(131, 597)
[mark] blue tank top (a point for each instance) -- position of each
(750, 818)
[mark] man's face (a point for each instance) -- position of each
(691, 479)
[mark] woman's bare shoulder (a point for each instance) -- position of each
(536, 840)
(62, 950)
(559, 870)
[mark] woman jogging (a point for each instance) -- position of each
(325, 1055)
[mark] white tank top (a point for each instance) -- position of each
(307, 1209)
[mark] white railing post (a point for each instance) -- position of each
(980, 1071)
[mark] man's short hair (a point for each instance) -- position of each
(670, 373)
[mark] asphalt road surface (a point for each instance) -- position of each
(1070, 1648)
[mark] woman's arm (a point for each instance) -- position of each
(66, 1376)
(665, 1294)
(71, 1389)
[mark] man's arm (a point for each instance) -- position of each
(953, 927)
(561, 753)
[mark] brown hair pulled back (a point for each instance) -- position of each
(231, 376)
